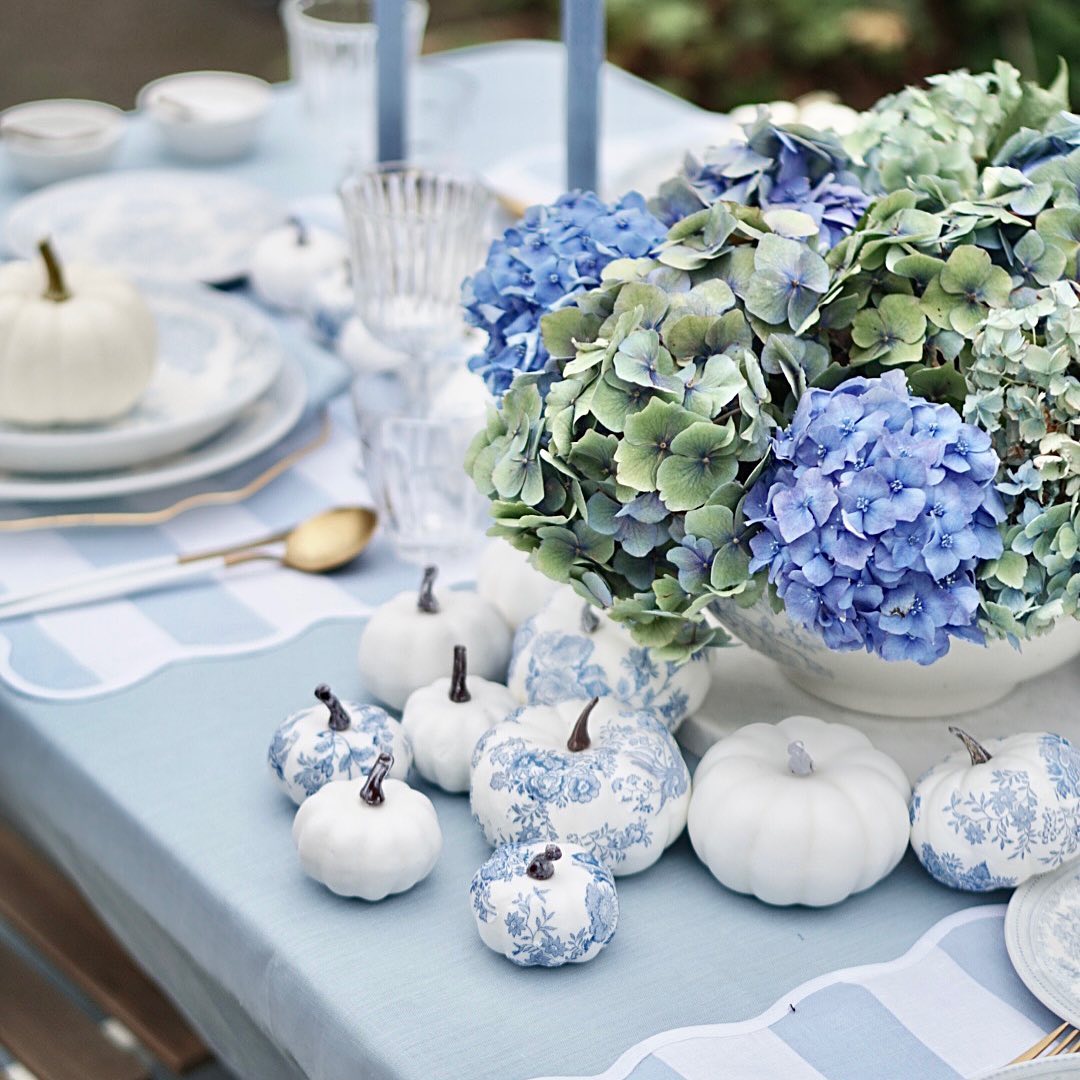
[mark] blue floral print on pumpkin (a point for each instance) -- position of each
(559, 665)
(306, 752)
(1016, 816)
(566, 918)
(616, 799)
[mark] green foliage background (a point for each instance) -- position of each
(723, 53)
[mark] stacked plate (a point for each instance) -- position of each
(223, 390)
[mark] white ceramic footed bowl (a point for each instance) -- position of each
(967, 677)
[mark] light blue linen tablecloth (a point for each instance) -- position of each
(158, 803)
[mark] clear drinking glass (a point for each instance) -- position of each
(415, 235)
(412, 461)
(332, 57)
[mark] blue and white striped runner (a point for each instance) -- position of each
(951, 1007)
(93, 650)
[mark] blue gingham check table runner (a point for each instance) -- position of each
(951, 1007)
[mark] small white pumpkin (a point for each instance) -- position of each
(329, 303)
(77, 343)
(334, 741)
(800, 812)
(408, 641)
(991, 816)
(569, 649)
(368, 838)
(444, 720)
(544, 905)
(511, 583)
(288, 260)
(595, 773)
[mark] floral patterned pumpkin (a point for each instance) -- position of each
(990, 817)
(570, 650)
(618, 786)
(334, 740)
(544, 905)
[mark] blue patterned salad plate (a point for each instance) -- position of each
(181, 225)
(1042, 934)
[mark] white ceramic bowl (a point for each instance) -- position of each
(54, 140)
(967, 677)
(207, 115)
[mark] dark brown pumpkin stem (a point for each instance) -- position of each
(459, 692)
(339, 716)
(579, 737)
(540, 869)
(590, 621)
(426, 602)
(56, 289)
(372, 792)
(979, 754)
(302, 234)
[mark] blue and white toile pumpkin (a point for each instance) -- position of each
(569, 649)
(595, 773)
(544, 905)
(991, 816)
(334, 740)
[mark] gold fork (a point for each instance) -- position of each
(1062, 1040)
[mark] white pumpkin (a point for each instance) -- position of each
(368, 838)
(569, 649)
(800, 812)
(408, 642)
(330, 302)
(595, 773)
(334, 740)
(77, 343)
(544, 905)
(991, 816)
(507, 580)
(444, 720)
(288, 260)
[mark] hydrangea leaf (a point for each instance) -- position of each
(561, 329)
(593, 456)
(647, 441)
(643, 361)
(701, 459)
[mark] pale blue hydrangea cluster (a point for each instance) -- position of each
(774, 168)
(541, 263)
(875, 514)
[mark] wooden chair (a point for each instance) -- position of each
(39, 1025)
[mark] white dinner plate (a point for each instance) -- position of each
(168, 223)
(216, 355)
(262, 424)
(1042, 934)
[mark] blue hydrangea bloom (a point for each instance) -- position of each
(774, 168)
(550, 255)
(875, 514)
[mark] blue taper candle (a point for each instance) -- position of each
(393, 68)
(583, 33)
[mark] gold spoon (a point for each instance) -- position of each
(324, 542)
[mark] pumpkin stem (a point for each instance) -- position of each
(540, 869)
(459, 692)
(799, 761)
(579, 737)
(590, 621)
(372, 792)
(56, 289)
(302, 235)
(339, 717)
(426, 602)
(979, 754)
